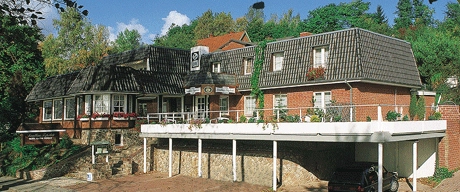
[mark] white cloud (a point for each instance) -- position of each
(176, 18)
(133, 24)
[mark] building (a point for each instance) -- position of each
(346, 79)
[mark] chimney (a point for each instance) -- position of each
(304, 34)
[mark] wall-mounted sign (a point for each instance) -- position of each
(208, 89)
(41, 138)
(225, 90)
(193, 90)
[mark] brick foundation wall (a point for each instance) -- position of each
(449, 147)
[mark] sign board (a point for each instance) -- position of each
(193, 90)
(195, 54)
(225, 90)
(41, 138)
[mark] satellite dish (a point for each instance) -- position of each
(258, 5)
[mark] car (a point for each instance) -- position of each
(362, 177)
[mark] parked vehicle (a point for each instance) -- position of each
(362, 177)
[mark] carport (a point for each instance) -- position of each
(378, 132)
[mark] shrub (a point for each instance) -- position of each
(66, 142)
(368, 119)
(441, 173)
(405, 118)
(252, 120)
(435, 116)
(243, 119)
(421, 108)
(392, 116)
(315, 118)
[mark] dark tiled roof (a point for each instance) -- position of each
(196, 79)
(52, 87)
(127, 56)
(169, 67)
(154, 82)
(354, 54)
(104, 78)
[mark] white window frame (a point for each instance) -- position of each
(50, 108)
(119, 103)
(323, 101)
(279, 97)
(277, 61)
(224, 105)
(248, 66)
(57, 109)
(67, 108)
(249, 105)
(216, 67)
(101, 104)
(320, 56)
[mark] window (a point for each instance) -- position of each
(249, 105)
(280, 103)
(47, 110)
(142, 109)
(216, 67)
(57, 109)
(248, 65)
(101, 104)
(320, 56)
(322, 99)
(224, 105)
(88, 101)
(119, 103)
(69, 108)
(118, 139)
(277, 61)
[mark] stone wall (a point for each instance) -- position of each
(297, 162)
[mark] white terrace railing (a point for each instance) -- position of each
(333, 113)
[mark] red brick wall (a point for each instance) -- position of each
(370, 95)
(449, 147)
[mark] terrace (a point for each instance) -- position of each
(352, 126)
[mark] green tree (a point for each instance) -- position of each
(213, 24)
(451, 22)
(127, 40)
(21, 66)
(77, 45)
(413, 106)
(404, 14)
(182, 37)
(423, 15)
(421, 108)
(22, 11)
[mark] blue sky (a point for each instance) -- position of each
(153, 17)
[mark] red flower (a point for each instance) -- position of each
(315, 73)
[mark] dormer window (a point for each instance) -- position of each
(277, 61)
(248, 65)
(216, 67)
(320, 56)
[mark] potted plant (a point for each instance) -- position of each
(83, 117)
(315, 73)
(100, 116)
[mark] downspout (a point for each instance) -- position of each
(351, 100)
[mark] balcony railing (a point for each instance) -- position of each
(332, 113)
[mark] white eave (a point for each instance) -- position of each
(374, 132)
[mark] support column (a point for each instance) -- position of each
(275, 154)
(93, 159)
(170, 158)
(200, 174)
(380, 176)
(145, 155)
(414, 165)
(234, 159)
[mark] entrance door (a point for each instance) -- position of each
(201, 106)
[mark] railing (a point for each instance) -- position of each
(331, 113)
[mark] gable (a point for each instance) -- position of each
(215, 43)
